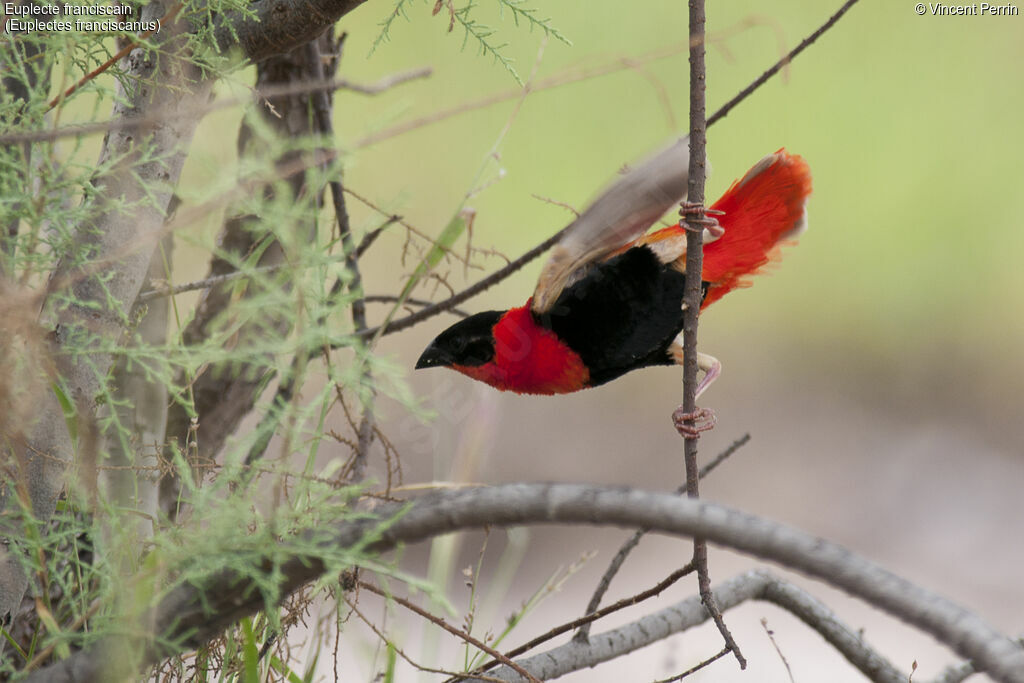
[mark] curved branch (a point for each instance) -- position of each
(755, 585)
(192, 614)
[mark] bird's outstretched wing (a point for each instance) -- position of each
(621, 214)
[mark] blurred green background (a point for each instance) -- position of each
(879, 366)
(910, 124)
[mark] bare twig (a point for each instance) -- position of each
(759, 584)
(401, 653)
(694, 237)
(724, 455)
(760, 80)
(471, 291)
(261, 94)
(371, 237)
(324, 126)
(404, 223)
(555, 81)
(391, 298)
(458, 633)
(207, 282)
(697, 667)
(590, 618)
(778, 650)
(213, 280)
(620, 557)
(565, 206)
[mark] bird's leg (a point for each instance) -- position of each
(712, 368)
(694, 212)
(703, 418)
(710, 365)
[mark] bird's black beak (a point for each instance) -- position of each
(432, 357)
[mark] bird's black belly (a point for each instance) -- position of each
(622, 315)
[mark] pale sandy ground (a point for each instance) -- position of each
(888, 465)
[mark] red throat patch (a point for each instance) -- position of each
(529, 359)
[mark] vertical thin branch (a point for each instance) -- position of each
(695, 233)
(322, 107)
(692, 298)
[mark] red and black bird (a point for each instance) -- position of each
(609, 299)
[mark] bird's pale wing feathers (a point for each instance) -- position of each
(621, 214)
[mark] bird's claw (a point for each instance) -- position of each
(694, 212)
(703, 420)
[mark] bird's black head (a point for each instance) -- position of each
(467, 342)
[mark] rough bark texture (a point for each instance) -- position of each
(280, 25)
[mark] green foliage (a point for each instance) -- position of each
(98, 574)
(392, 660)
(481, 33)
(250, 653)
(385, 26)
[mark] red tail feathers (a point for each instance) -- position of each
(763, 208)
